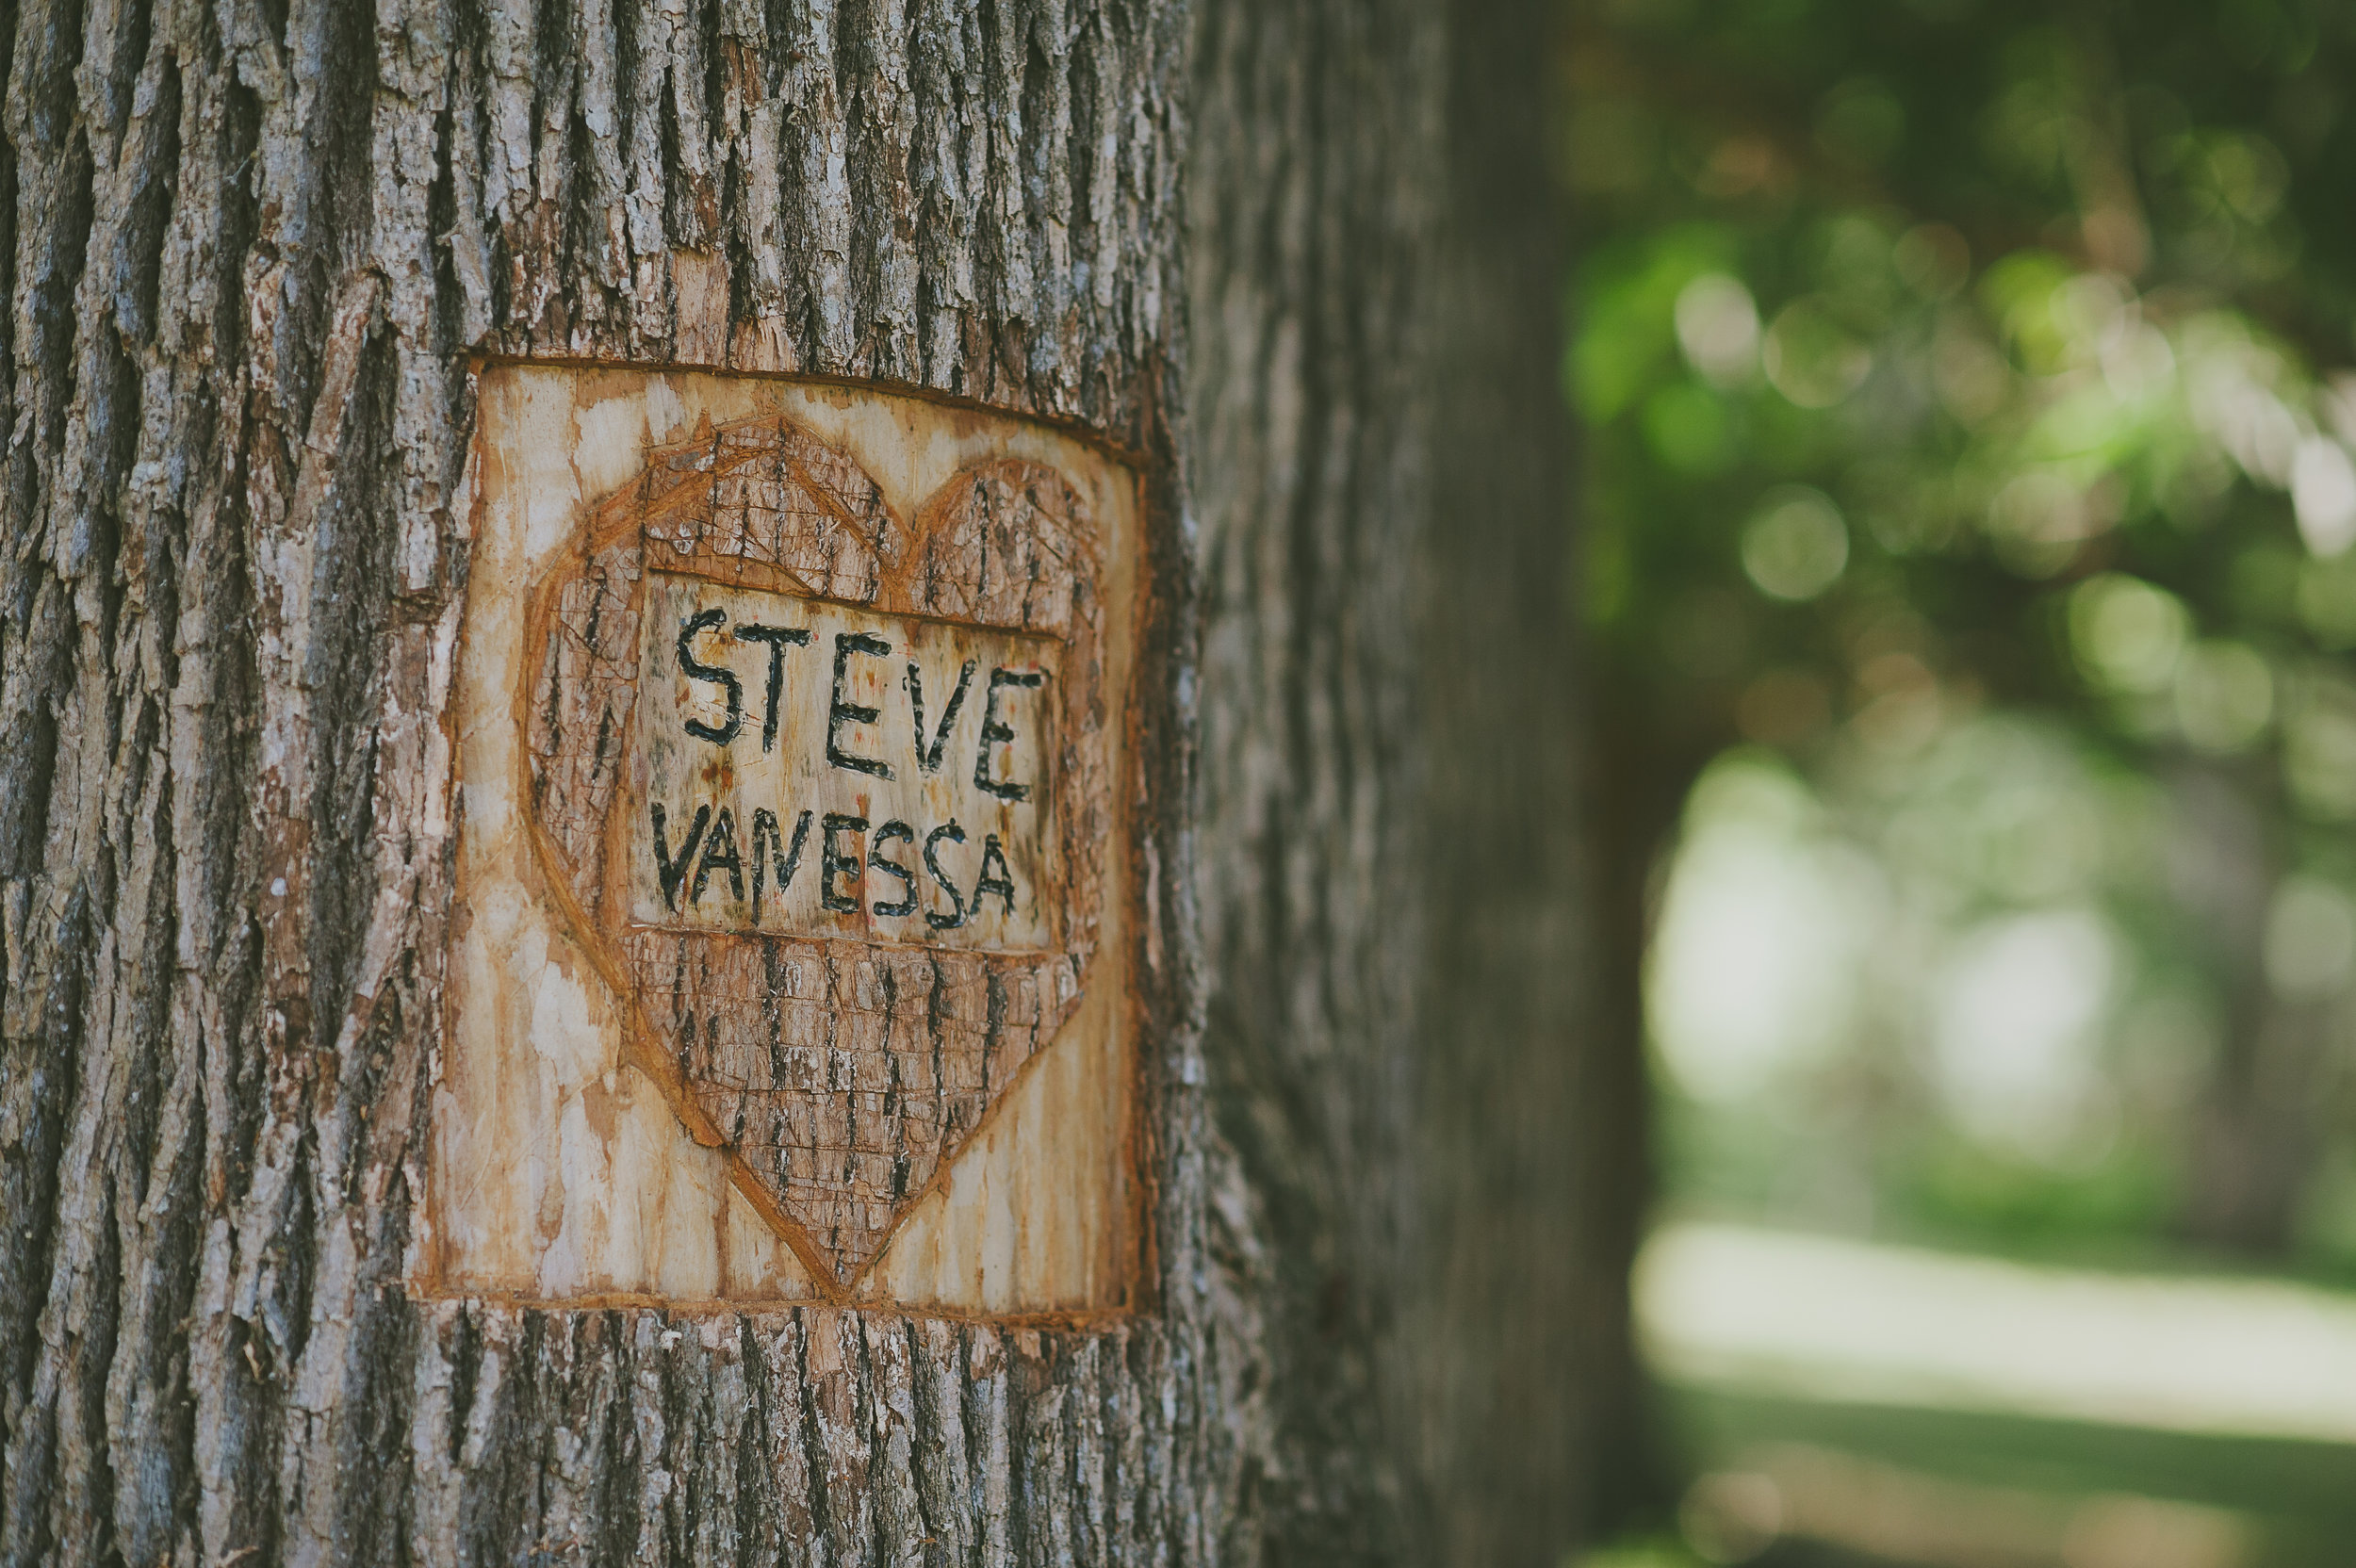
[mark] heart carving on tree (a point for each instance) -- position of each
(835, 956)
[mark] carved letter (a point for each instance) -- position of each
(956, 835)
(993, 731)
(1002, 884)
(884, 835)
(716, 675)
(929, 758)
(845, 644)
(720, 855)
(674, 872)
(832, 861)
(779, 638)
(788, 862)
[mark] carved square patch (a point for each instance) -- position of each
(816, 776)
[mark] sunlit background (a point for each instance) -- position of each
(1970, 396)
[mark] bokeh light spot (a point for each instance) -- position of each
(1812, 358)
(2127, 634)
(1718, 328)
(1796, 547)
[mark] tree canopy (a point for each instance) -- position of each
(1971, 499)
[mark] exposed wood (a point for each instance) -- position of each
(675, 1073)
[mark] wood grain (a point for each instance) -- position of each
(837, 1069)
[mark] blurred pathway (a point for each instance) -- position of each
(1816, 1318)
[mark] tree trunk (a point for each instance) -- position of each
(257, 259)
(2258, 1127)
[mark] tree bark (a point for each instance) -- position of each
(255, 255)
(1401, 1034)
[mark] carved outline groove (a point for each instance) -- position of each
(836, 539)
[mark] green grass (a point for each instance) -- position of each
(2301, 1494)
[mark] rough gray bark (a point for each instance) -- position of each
(250, 251)
(1397, 1029)
(1317, 143)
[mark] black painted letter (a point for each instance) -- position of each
(716, 675)
(832, 861)
(994, 731)
(929, 758)
(1002, 884)
(875, 862)
(719, 855)
(788, 862)
(779, 638)
(674, 872)
(956, 835)
(845, 644)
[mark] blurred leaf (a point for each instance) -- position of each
(1971, 419)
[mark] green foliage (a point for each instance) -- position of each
(1650, 1551)
(1949, 361)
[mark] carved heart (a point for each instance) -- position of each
(837, 1046)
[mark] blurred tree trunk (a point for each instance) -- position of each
(1639, 771)
(1405, 1052)
(2258, 1131)
(251, 255)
